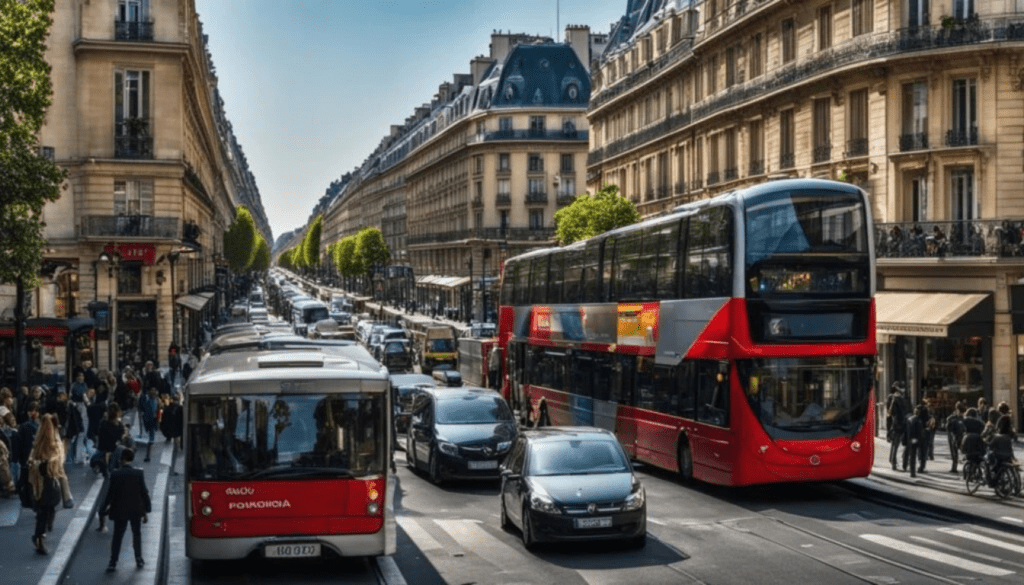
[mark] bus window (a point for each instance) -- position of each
(624, 378)
(508, 282)
(708, 269)
(713, 392)
(603, 374)
(539, 280)
(591, 275)
(628, 272)
(557, 272)
(573, 267)
(583, 374)
(687, 390)
(522, 290)
(666, 278)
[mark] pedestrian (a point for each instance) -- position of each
(494, 366)
(983, 409)
(1002, 442)
(111, 430)
(971, 445)
(93, 415)
(915, 441)
(173, 363)
(931, 424)
(127, 502)
(896, 423)
(1004, 412)
(148, 409)
(72, 425)
(955, 433)
(990, 425)
(172, 426)
(26, 437)
(45, 469)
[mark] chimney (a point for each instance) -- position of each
(500, 45)
(578, 37)
(478, 66)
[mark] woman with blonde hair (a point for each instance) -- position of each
(45, 472)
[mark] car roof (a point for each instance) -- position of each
(458, 392)
(561, 433)
(411, 380)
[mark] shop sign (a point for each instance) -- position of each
(918, 329)
(130, 252)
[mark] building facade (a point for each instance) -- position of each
(154, 175)
(920, 103)
(477, 174)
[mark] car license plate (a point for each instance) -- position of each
(483, 464)
(604, 522)
(292, 551)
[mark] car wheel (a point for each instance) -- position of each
(529, 540)
(410, 453)
(435, 469)
(505, 523)
(685, 461)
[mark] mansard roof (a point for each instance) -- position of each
(547, 74)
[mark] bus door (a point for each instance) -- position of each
(581, 393)
(712, 445)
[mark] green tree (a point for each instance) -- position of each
(311, 243)
(371, 250)
(240, 241)
(27, 180)
(285, 260)
(588, 216)
(262, 261)
(345, 256)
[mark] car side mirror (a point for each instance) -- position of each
(507, 474)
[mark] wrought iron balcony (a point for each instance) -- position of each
(713, 178)
(498, 234)
(478, 202)
(144, 227)
(916, 141)
(856, 147)
(731, 174)
(823, 153)
(133, 31)
(574, 135)
(132, 139)
(680, 187)
(503, 200)
(564, 200)
(992, 238)
(787, 160)
(662, 191)
(536, 198)
(696, 185)
(962, 137)
(756, 167)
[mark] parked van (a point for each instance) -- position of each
(305, 313)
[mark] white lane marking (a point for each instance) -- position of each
(420, 537)
(472, 537)
(1012, 519)
(68, 542)
(984, 539)
(938, 557)
(658, 522)
(957, 549)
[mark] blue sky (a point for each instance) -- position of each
(311, 86)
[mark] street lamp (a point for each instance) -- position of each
(111, 259)
(469, 303)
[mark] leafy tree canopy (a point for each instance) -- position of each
(263, 256)
(371, 250)
(27, 180)
(345, 256)
(311, 243)
(589, 216)
(240, 241)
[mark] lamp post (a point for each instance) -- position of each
(469, 307)
(111, 260)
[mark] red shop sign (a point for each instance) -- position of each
(145, 253)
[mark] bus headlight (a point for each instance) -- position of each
(204, 495)
(855, 446)
(372, 508)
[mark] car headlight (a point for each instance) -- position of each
(447, 448)
(504, 446)
(544, 504)
(635, 500)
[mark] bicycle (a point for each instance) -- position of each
(1002, 476)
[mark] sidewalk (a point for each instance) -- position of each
(940, 491)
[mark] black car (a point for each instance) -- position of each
(572, 483)
(396, 355)
(461, 433)
(404, 387)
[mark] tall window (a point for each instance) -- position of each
(754, 59)
(536, 125)
(663, 174)
(857, 145)
(964, 127)
(917, 13)
(712, 69)
(567, 163)
(505, 123)
(788, 40)
(131, 99)
(824, 28)
(862, 16)
(536, 163)
(503, 219)
(756, 147)
(714, 176)
(919, 198)
(536, 219)
(730, 66)
(133, 197)
(730, 155)
(504, 164)
(822, 129)
(963, 202)
(915, 116)
(536, 186)
(504, 188)
(787, 154)
(132, 10)
(478, 164)
(566, 186)
(963, 9)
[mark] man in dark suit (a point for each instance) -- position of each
(127, 502)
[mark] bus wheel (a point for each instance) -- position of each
(685, 461)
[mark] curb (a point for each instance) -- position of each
(68, 545)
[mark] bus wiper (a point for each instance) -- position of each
(293, 472)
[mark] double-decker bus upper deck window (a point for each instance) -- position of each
(573, 267)
(806, 242)
(522, 289)
(708, 271)
(508, 282)
(591, 277)
(539, 279)
(287, 436)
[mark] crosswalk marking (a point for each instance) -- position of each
(420, 537)
(1012, 519)
(471, 536)
(939, 557)
(984, 539)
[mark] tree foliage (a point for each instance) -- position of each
(311, 243)
(345, 256)
(240, 241)
(285, 260)
(263, 256)
(589, 216)
(371, 250)
(27, 179)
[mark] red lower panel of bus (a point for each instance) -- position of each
(283, 508)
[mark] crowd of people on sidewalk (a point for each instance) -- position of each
(43, 429)
(970, 432)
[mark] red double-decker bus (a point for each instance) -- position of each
(288, 448)
(732, 340)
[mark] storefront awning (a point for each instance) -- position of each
(934, 314)
(194, 302)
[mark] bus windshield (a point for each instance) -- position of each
(808, 398)
(264, 436)
(807, 242)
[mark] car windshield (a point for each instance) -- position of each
(394, 347)
(268, 436)
(442, 345)
(472, 410)
(577, 457)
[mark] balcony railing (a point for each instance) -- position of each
(132, 139)
(662, 191)
(680, 187)
(130, 226)
(756, 167)
(713, 178)
(861, 49)
(510, 234)
(962, 137)
(536, 197)
(822, 153)
(731, 174)
(575, 135)
(696, 185)
(503, 200)
(993, 238)
(133, 31)
(787, 160)
(478, 202)
(915, 141)
(564, 200)
(856, 147)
